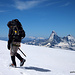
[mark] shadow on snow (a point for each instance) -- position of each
(36, 69)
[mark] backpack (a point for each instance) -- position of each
(17, 30)
(17, 25)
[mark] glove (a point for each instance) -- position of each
(9, 42)
(9, 47)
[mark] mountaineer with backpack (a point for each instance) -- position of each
(16, 34)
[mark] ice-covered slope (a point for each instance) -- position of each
(40, 61)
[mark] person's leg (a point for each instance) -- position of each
(21, 59)
(13, 60)
(19, 56)
(13, 52)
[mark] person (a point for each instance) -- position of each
(14, 42)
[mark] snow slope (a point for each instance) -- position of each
(40, 61)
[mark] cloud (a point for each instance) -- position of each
(40, 38)
(52, 3)
(2, 11)
(31, 37)
(23, 5)
(66, 4)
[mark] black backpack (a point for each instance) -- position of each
(17, 30)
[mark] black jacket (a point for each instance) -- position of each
(13, 38)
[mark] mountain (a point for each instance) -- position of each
(39, 61)
(69, 38)
(67, 42)
(54, 39)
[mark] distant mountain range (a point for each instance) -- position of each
(54, 41)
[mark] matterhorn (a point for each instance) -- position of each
(54, 38)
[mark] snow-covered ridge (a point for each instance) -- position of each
(39, 61)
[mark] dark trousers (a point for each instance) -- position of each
(13, 58)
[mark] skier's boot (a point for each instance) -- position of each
(22, 62)
(12, 65)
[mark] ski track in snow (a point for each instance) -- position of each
(39, 61)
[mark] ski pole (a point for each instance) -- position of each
(22, 52)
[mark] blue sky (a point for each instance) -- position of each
(39, 17)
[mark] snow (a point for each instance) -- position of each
(63, 44)
(71, 38)
(52, 36)
(39, 61)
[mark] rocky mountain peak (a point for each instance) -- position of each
(53, 32)
(69, 38)
(54, 38)
(52, 35)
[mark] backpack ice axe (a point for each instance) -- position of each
(22, 52)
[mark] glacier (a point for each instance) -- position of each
(40, 61)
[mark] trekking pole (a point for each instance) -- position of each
(22, 52)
